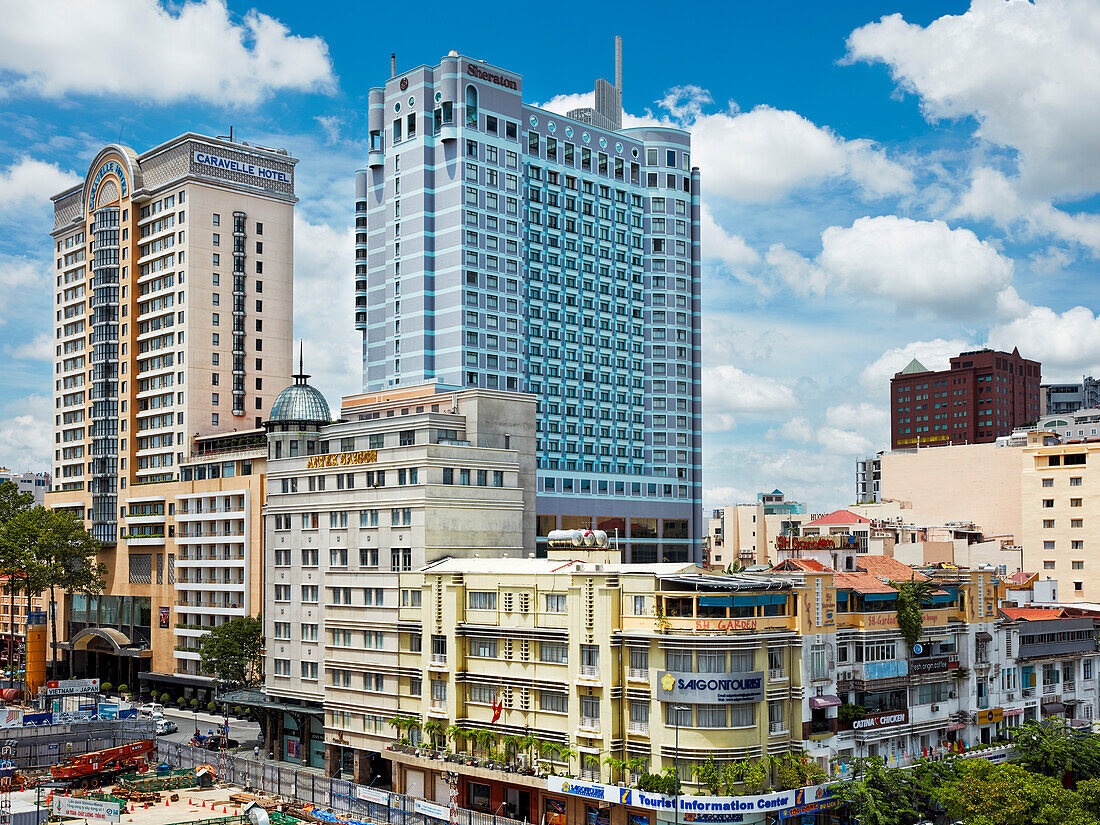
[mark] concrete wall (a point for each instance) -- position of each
(972, 482)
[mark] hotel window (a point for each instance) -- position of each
(1076, 544)
(555, 602)
(309, 632)
(590, 707)
(483, 648)
(483, 600)
(480, 694)
(1048, 482)
(338, 557)
(553, 653)
(282, 592)
(711, 661)
(1076, 522)
(1048, 524)
(742, 716)
(1077, 565)
(309, 593)
(1048, 502)
(1048, 545)
(1075, 481)
(710, 716)
(1075, 502)
(553, 701)
(282, 630)
(471, 106)
(1048, 565)
(282, 667)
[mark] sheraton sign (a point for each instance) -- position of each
(474, 70)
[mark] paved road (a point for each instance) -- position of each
(247, 733)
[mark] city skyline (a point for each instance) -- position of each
(860, 210)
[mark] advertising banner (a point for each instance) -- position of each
(371, 795)
(85, 808)
(11, 718)
(426, 808)
(701, 808)
(71, 687)
(712, 688)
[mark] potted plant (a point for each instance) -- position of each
(510, 749)
(105, 688)
(527, 744)
(123, 691)
(181, 702)
(435, 731)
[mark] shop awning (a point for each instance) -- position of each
(818, 702)
(982, 636)
(1053, 707)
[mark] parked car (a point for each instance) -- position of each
(166, 726)
(218, 742)
(151, 709)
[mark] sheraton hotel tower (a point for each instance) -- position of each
(503, 246)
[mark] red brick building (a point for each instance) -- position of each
(984, 394)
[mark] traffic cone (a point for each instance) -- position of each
(166, 803)
(224, 811)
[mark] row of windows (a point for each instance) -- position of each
(400, 559)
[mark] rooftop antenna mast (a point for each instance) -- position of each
(619, 64)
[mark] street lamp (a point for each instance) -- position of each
(676, 709)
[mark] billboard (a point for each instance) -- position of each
(85, 808)
(712, 688)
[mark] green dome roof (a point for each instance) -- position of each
(301, 402)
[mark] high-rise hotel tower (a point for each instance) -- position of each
(172, 313)
(505, 246)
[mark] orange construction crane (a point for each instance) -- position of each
(91, 768)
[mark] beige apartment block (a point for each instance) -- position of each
(979, 483)
(407, 477)
(192, 561)
(173, 307)
(1061, 511)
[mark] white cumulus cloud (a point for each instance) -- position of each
(730, 390)
(195, 50)
(1028, 72)
(29, 182)
(934, 355)
(1067, 343)
(922, 265)
(25, 434)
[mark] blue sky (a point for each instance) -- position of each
(881, 181)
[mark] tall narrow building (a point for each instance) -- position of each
(504, 246)
(173, 304)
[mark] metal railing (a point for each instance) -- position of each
(641, 728)
(591, 671)
(637, 674)
(347, 799)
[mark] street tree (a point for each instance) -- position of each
(234, 652)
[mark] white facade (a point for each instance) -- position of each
(35, 483)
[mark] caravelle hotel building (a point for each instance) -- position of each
(173, 305)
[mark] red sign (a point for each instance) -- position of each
(725, 624)
(165, 616)
(881, 720)
(810, 542)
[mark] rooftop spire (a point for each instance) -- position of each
(300, 377)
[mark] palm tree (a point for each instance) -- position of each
(510, 743)
(566, 753)
(592, 760)
(457, 734)
(912, 596)
(526, 743)
(485, 739)
(435, 730)
(548, 749)
(617, 766)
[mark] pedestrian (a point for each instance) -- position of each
(256, 752)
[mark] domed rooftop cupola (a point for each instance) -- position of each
(300, 403)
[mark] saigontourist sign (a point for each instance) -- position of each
(701, 808)
(712, 688)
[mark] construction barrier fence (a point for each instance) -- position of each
(342, 797)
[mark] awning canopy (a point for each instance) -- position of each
(982, 636)
(818, 702)
(1053, 707)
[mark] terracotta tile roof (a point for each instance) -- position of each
(838, 517)
(1021, 578)
(886, 567)
(861, 583)
(1033, 614)
(803, 564)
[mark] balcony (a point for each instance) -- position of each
(1069, 687)
(589, 725)
(438, 707)
(777, 675)
(438, 661)
(1027, 693)
(1050, 690)
(776, 728)
(636, 675)
(638, 728)
(589, 672)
